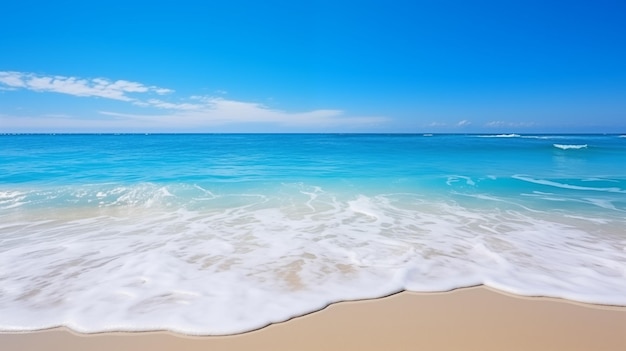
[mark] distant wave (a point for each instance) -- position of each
(545, 137)
(500, 136)
(622, 136)
(567, 147)
(536, 137)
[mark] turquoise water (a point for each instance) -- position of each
(223, 233)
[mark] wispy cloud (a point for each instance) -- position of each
(96, 87)
(501, 124)
(214, 111)
(463, 123)
(192, 113)
(437, 124)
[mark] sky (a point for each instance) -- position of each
(313, 66)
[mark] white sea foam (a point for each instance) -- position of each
(11, 199)
(547, 137)
(543, 137)
(457, 178)
(567, 186)
(570, 147)
(599, 180)
(233, 262)
(499, 136)
(602, 203)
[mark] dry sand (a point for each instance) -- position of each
(465, 319)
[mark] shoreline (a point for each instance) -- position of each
(473, 318)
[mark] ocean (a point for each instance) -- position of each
(211, 234)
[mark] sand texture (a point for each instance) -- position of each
(465, 319)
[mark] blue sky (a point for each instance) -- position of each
(323, 66)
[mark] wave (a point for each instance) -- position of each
(537, 137)
(566, 186)
(570, 147)
(546, 137)
(500, 136)
(244, 260)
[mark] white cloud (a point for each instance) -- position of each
(495, 124)
(162, 91)
(97, 87)
(195, 112)
(168, 105)
(498, 124)
(221, 119)
(463, 123)
(216, 111)
(437, 124)
(11, 79)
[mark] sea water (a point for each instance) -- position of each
(218, 234)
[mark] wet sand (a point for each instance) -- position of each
(466, 319)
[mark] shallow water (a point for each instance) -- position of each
(219, 234)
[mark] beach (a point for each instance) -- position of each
(476, 318)
(325, 175)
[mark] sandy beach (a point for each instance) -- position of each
(475, 318)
